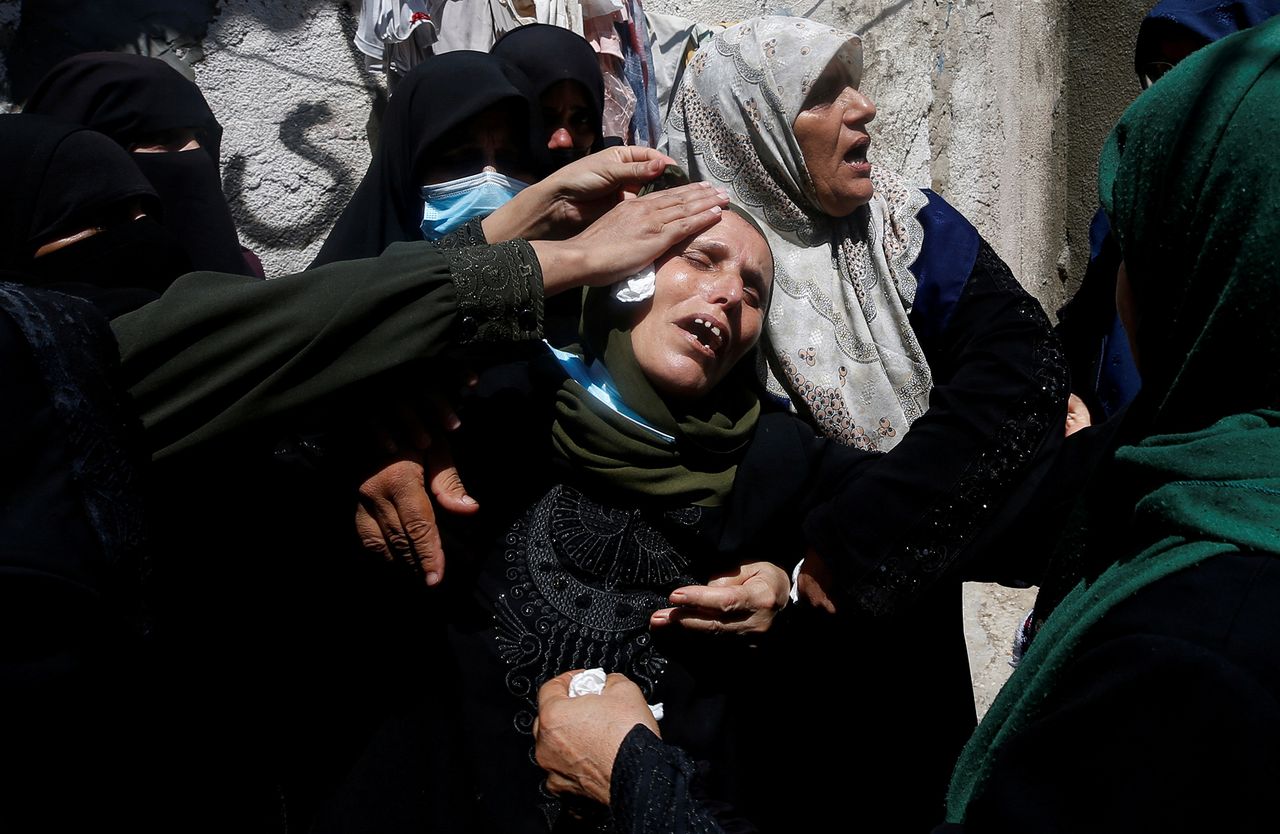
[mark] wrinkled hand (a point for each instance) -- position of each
(577, 739)
(816, 585)
(395, 517)
(743, 601)
(1078, 416)
(629, 237)
(576, 195)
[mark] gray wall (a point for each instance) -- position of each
(1000, 106)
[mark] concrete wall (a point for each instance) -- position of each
(1000, 105)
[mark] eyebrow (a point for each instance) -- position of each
(721, 250)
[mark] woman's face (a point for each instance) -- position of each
(169, 141)
(709, 302)
(491, 140)
(832, 133)
(568, 117)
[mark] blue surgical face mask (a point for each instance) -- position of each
(447, 205)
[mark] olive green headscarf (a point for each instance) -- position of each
(711, 433)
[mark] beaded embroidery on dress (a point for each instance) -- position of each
(582, 580)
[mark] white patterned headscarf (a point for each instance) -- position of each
(839, 344)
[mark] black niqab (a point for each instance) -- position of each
(59, 179)
(436, 96)
(133, 99)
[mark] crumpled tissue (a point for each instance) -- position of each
(591, 682)
(638, 287)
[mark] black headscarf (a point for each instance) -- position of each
(433, 98)
(549, 54)
(132, 98)
(59, 179)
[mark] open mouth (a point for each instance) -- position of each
(709, 334)
(857, 155)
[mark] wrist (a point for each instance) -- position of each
(565, 265)
(524, 216)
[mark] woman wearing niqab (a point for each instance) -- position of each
(895, 328)
(142, 101)
(63, 180)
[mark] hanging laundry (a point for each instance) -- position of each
(395, 35)
(672, 42)
(477, 24)
(646, 124)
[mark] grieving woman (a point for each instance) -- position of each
(165, 124)
(895, 328)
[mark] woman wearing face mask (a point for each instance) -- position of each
(565, 73)
(895, 328)
(457, 142)
(164, 123)
(80, 217)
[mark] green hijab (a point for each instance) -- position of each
(610, 453)
(1191, 182)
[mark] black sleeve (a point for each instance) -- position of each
(652, 789)
(995, 420)
(218, 352)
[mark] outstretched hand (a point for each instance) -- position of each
(575, 196)
(742, 601)
(395, 516)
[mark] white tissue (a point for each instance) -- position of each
(638, 287)
(591, 682)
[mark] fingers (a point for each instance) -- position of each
(370, 532)
(418, 521)
(726, 599)
(396, 520)
(711, 621)
(556, 688)
(446, 484)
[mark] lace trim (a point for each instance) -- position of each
(469, 234)
(499, 292)
(946, 529)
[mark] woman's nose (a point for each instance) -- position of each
(560, 140)
(725, 290)
(860, 110)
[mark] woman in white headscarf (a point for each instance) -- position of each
(894, 327)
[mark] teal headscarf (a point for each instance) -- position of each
(1191, 182)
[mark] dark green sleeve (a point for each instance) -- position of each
(220, 352)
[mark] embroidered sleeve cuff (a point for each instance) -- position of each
(469, 234)
(499, 293)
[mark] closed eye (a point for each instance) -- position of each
(697, 258)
